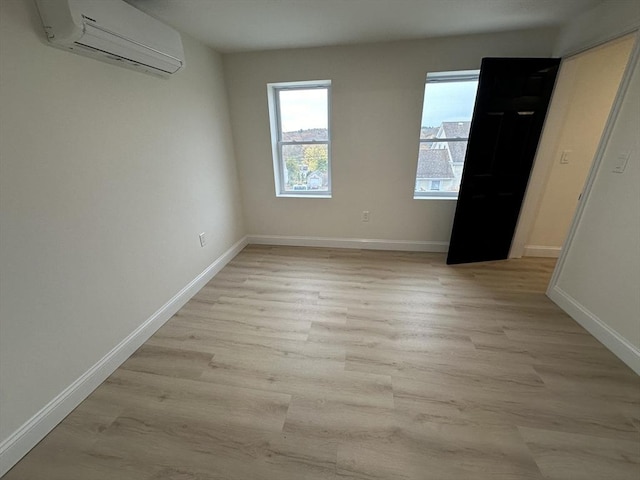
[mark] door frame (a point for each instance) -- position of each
(611, 339)
(544, 159)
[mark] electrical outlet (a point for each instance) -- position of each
(203, 239)
(365, 215)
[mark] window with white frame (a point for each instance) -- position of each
(447, 109)
(301, 137)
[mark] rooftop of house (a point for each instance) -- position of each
(454, 130)
(434, 163)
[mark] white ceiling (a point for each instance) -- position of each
(244, 25)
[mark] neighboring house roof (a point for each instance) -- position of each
(428, 132)
(434, 163)
(455, 130)
(458, 151)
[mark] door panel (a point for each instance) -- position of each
(511, 104)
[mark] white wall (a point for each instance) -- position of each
(597, 279)
(585, 90)
(376, 106)
(107, 178)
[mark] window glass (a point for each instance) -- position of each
(447, 109)
(304, 115)
(301, 138)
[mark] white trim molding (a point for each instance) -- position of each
(37, 427)
(611, 339)
(541, 251)
(357, 243)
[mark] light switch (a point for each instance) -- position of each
(564, 158)
(621, 162)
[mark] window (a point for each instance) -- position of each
(447, 109)
(301, 138)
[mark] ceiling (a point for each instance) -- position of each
(245, 25)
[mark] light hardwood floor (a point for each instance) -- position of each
(301, 363)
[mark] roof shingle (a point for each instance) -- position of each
(434, 163)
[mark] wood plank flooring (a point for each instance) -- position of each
(305, 364)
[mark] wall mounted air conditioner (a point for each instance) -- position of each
(112, 31)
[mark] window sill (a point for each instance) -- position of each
(302, 195)
(433, 197)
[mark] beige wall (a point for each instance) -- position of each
(376, 106)
(589, 81)
(107, 178)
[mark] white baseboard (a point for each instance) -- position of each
(611, 339)
(541, 251)
(37, 427)
(359, 243)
